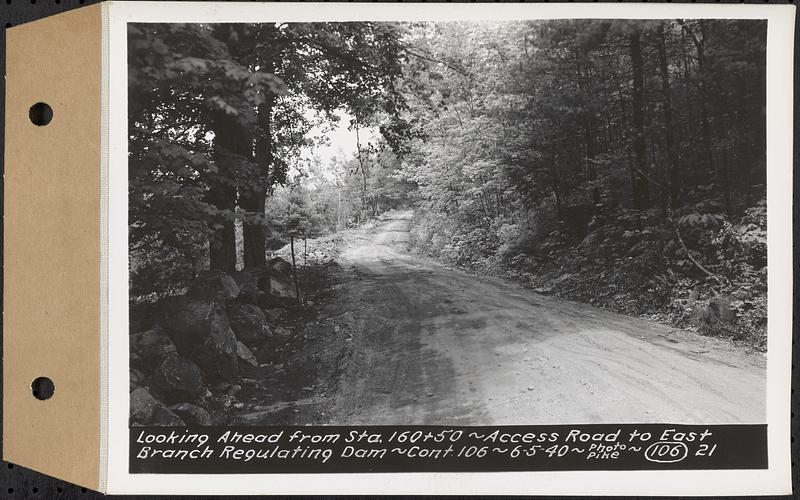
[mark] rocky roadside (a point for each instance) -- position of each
(240, 349)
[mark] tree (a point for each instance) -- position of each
(217, 114)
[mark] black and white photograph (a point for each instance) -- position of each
(465, 223)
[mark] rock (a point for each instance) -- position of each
(214, 285)
(248, 286)
(149, 348)
(316, 330)
(142, 405)
(282, 333)
(220, 387)
(277, 282)
(191, 414)
(163, 417)
(202, 334)
(246, 355)
(147, 410)
(178, 378)
(249, 323)
(333, 266)
(694, 295)
(143, 316)
(137, 379)
(281, 266)
(275, 315)
(282, 287)
(718, 312)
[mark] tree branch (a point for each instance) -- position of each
(694, 261)
(439, 61)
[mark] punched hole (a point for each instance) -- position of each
(40, 114)
(43, 388)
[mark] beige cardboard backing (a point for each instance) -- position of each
(52, 247)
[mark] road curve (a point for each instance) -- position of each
(435, 345)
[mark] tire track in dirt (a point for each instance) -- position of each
(434, 345)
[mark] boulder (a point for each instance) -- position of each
(267, 301)
(147, 410)
(276, 314)
(718, 312)
(191, 414)
(332, 266)
(142, 405)
(214, 285)
(282, 333)
(281, 286)
(178, 378)
(249, 323)
(280, 266)
(202, 334)
(143, 316)
(137, 379)
(248, 286)
(163, 417)
(246, 355)
(149, 348)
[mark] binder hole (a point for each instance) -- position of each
(43, 388)
(40, 114)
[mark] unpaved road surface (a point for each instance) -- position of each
(434, 345)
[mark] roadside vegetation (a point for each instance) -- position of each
(612, 162)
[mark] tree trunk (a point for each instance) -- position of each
(253, 201)
(673, 167)
(699, 44)
(254, 198)
(231, 144)
(642, 189)
(701, 64)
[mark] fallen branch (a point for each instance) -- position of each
(694, 261)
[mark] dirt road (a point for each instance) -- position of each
(434, 345)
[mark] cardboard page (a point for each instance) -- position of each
(412, 249)
(52, 247)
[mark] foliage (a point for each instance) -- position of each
(219, 114)
(617, 162)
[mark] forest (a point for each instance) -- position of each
(616, 162)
